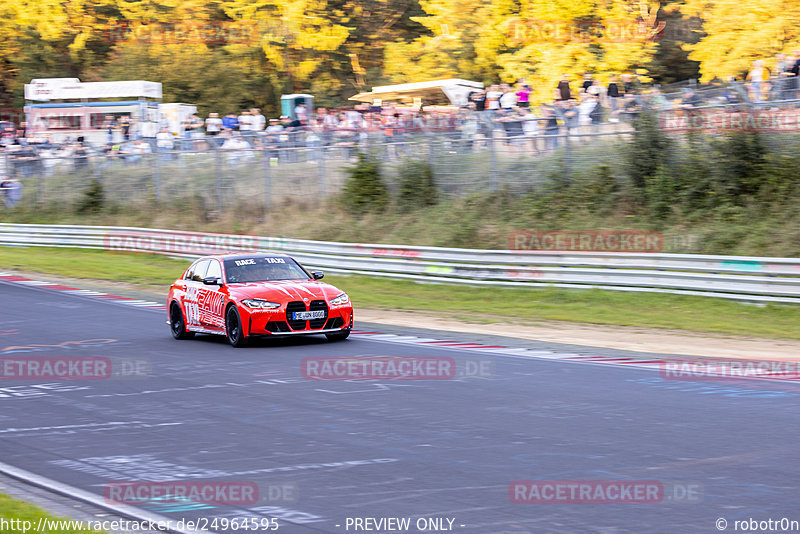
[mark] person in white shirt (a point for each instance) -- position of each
(493, 98)
(257, 120)
(508, 100)
(301, 113)
(245, 121)
(165, 143)
(213, 124)
(237, 148)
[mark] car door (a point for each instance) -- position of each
(211, 300)
(194, 288)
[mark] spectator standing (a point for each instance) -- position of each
(478, 100)
(628, 85)
(508, 100)
(523, 94)
(493, 98)
(564, 92)
(11, 191)
(140, 148)
(245, 122)
(165, 143)
(550, 129)
(587, 82)
(301, 114)
(230, 122)
(257, 120)
(795, 70)
(613, 94)
(757, 76)
(786, 77)
(213, 124)
(125, 126)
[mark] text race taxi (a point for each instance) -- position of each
(256, 295)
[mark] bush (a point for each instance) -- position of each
(417, 187)
(364, 191)
(648, 151)
(93, 198)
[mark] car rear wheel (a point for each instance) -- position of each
(233, 328)
(338, 336)
(176, 323)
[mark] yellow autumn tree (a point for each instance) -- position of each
(299, 39)
(535, 40)
(738, 32)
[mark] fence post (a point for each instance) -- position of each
(218, 179)
(568, 156)
(492, 159)
(156, 159)
(321, 170)
(40, 188)
(266, 162)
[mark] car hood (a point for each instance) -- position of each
(284, 290)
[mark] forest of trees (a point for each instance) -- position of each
(241, 53)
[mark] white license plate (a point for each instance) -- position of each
(308, 315)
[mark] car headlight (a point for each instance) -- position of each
(340, 299)
(261, 304)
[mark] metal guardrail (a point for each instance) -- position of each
(733, 277)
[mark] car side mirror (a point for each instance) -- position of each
(317, 275)
(212, 281)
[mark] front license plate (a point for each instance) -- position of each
(308, 315)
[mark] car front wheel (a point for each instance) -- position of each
(176, 323)
(233, 328)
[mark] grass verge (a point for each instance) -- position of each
(154, 273)
(17, 513)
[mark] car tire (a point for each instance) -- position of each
(177, 324)
(233, 328)
(338, 336)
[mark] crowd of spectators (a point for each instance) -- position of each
(500, 111)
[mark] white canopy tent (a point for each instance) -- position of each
(453, 91)
(46, 89)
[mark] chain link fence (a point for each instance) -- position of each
(474, 153)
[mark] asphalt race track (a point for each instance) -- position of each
(325, 451)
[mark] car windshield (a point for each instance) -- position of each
(263, 269)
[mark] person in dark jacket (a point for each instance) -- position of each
(564, 92)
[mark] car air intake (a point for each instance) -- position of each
(334, 322)
(277, 326)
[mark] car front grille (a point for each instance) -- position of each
(295, 306)
(316, 324)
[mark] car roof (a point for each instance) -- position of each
(241, 255)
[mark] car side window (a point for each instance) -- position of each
(190, 271)
(200, 270)
(214, 270)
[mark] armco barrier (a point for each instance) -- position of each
(733, 277)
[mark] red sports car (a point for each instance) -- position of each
(245, 295)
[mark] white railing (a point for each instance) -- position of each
(733, 277)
